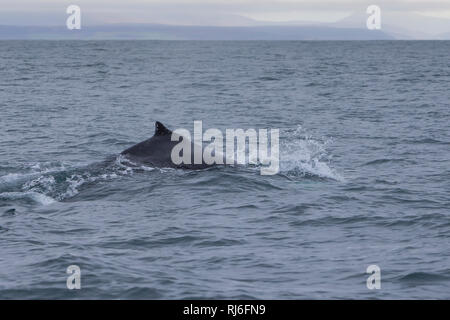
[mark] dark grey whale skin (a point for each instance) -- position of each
(156, 151)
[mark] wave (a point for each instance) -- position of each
(386, 160)
(422, 277)
(28, 171)
(49, 182)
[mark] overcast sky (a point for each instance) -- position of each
(206, 12)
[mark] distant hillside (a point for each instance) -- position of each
(401, 25)
(167, 32)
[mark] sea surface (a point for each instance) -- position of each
(364, 177)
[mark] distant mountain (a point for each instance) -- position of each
(168, 32)
(401, 25)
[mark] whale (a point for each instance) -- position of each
(156, 151)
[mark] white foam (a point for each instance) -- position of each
(145, 168)
(74, 181)
(13, 177)
(44, 182)
(36, 169)
(35, 196)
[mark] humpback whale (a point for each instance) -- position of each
(157, 150)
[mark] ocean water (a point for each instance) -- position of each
(364, 177)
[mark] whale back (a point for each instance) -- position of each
(157, 150)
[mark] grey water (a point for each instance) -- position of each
(364, 176)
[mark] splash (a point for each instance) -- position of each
(302, 155)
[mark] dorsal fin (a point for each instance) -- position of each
(160, 129)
